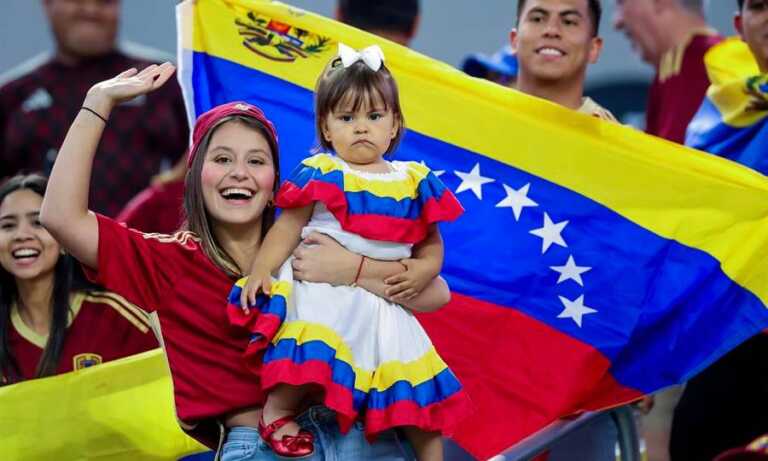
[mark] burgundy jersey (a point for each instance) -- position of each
(171, 276)
(102, 327)
(679, 87)
(37, 108)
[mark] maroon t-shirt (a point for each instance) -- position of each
(103, 327)
(679, 88)
(171, 275)
(37, 108)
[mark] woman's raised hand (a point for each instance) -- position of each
(103, 96)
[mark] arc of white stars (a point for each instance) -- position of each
(473, 181)
(517, 199)
(575, 309)
(550, 233)
(570, 271)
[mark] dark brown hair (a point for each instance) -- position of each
(357, 84)
(197, 219)
(391, 15)
(595, 13)
(64, 282)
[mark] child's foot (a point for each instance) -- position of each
(286, 438)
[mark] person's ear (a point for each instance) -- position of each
(513, 39)
(595, 47)
(738, 24)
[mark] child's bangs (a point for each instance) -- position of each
(363, 89)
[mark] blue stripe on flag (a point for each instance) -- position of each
(493, 257)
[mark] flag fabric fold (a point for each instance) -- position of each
(593, 264)
(121, 410)
(732, 122)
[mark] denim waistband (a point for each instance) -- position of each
(243, 434)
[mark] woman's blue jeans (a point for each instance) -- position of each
(245, 444)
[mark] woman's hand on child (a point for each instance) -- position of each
(320, 258)
(408, 284)
(259, 280)
(103, 96)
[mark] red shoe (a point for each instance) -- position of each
(289, 446)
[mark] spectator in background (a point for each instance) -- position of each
(159, 207)
(395, 20)
(48, 323)
(726, 405)
(672, 36)
(555, 41)
(500, 67)
(39, 100)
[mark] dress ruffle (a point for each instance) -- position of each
(423, 393)
(397, 210)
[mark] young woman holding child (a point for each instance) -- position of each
(184, 277)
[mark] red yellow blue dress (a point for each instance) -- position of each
(372, 358)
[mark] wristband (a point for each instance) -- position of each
(359, 271)
(94, 113)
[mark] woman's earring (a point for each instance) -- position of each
(270, 203)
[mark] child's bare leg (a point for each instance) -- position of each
(427, 445)
(283, 400)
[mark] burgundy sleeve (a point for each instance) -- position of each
(131, 264)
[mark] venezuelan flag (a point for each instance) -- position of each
(121, 410)
(593, 264)
(732, 122)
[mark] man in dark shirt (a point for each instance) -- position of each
(672, 36)
(39, 100)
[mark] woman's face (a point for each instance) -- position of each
(238, 175)
(27, 250)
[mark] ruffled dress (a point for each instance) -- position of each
(371, 358)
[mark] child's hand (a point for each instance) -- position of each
(407, 285)
(259, 280)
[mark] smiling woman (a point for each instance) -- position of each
(49, 323)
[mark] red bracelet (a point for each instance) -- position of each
(359, 270)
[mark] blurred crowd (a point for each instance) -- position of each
(52, 320)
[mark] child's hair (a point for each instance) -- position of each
(356, 84)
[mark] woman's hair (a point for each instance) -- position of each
(356, 84)
(198, 221)
(64, 281)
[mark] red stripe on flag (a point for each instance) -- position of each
(520, 373)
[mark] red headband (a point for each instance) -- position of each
(209, 119)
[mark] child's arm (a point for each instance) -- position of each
(280, 241)
(420, 269)
(65, 207)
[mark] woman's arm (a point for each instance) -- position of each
(65, 207)
(322, 259)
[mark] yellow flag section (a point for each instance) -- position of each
(633, 174)
(121, 410)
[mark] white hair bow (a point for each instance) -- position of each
(371, 56)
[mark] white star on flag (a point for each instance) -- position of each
(435, 172)
(472, 181)
(550, 233)
(574, 310)
(570, 271)
(516, 199)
